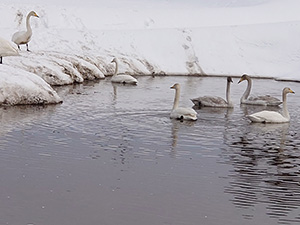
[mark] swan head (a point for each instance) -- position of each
(287, 90)
(229, 80)
(32, 13)
(244, 77)
(175, 86)
(114, 60)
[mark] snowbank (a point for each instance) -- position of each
(73, 41)
(18, 87)
(57, 68)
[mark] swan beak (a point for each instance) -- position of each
(240, 80)
(36, 15)
(291, 91)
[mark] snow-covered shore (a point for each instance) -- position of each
(73, 41)
(18, 87)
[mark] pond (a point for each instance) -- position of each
(111, 155)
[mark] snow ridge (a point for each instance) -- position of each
(19, 87)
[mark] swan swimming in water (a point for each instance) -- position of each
(23, 37)
(265, 100)
(122, 78)
(212, 101)
(271, 116)
(180, 112)
(6, 49)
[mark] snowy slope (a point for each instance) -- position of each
(213, 37)
(73, 41)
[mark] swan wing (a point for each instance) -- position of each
(210, 101)
(267, 117)
(264, 100)
(124, 78)
(184, 113)
(21, 37)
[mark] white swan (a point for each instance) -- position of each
(271, 116)
(213, 101)
(23, 37)
(122, 78)
(180, 112)
(265, 100)
(6, 49)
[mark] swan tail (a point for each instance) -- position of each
(196, 102)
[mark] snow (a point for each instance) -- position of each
(19, 87)
(74, 40)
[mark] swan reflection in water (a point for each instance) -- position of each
(176, 127)
(266, 165)
(121, 87)
(181, 129)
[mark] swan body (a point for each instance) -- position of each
(23, 37)
(6, 49)
(122, 78)
(271, 116)
(213, 101)
(265, 100)
(181, 112)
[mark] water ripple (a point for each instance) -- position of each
(122, 147)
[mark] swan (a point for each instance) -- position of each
(271, 116)
(180, 112)
(265, 100)
(6, 49)
(212, 101)
(23, 37)
(122, 78)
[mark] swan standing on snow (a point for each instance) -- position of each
(212, 101)
(265, 100)
(271, 116)
(122, 78)
(6, 49)
(180, 112)
(23, 37)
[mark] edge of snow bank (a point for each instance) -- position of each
(18, 87)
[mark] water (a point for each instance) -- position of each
(110, 155)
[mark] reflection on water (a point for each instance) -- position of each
(265, 160)
(110, 153)
(176, 134)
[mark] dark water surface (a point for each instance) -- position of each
(110, 155)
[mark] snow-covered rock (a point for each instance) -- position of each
(18, 87)
(57, 68)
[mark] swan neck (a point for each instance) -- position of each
(28, 23)
(285, 111)
(117, 68)
(228, 99)
(247, 91)
(176, 99)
